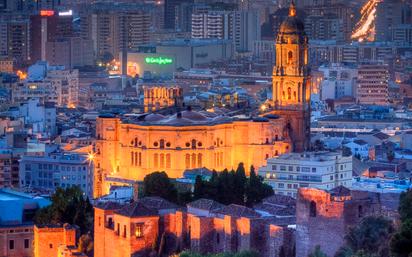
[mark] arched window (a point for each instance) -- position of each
(168, 161)
(193, 160)
(162, 161)
(290, 57)
(132, 158)
(312, 209)
(193, 143)
(156, 160)
(140, 159)
(199, 160)
(187, 161)
(289, 93)
(162, 143)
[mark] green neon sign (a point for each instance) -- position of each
(158, 60)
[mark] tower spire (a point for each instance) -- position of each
(292, 9)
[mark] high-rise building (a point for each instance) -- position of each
(242, 27)
(291, 89)
(326, 27)
(170, 12)
(70, 52)
(47, 26)
(114, 27)
(14, 38)
(389, 15)
(372, 84)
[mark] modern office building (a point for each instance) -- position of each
(373, 84)
(324, 170)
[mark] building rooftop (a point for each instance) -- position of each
(16, 204)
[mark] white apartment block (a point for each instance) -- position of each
(323, 170)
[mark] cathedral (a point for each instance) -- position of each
(129, 147)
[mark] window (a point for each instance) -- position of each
(124, 230)
(305, 169)
(289, 186)
(26, 243)
(360, 211)
(138, 230)
(281, 185)
(218, 238)
(313, 169)
(290, 57)
(312, 209)
(50, 246)
(283, 168)
(187, 161)
(290, 168)
(331, 177)
(297, 168)
(273, 167)
(11, 244)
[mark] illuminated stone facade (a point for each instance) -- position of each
(322, 215)
(291, 80)
(131, 149)
(205, 227)
(156, 98)
(52, 240)
(127, 149)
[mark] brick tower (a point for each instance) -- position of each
(291, 78)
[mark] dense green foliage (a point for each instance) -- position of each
(233, 187)
(239, 254)
(226, 187)
(401, 243)
(159, 184)
(68, 206)
(317, 252)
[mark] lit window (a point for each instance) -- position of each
(138, 230)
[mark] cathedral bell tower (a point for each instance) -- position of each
(291, 78)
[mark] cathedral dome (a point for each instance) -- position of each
(292, 25)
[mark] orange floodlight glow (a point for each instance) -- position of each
(46, 13)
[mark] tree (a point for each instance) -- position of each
(86, 244)
(198, 191)
(158, 184)
(240, 183)
(317, 252)
(370, 236)
(405, 205)
(256, 190)
(401, 243)
(68, 206)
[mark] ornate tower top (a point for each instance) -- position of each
(292, 9)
